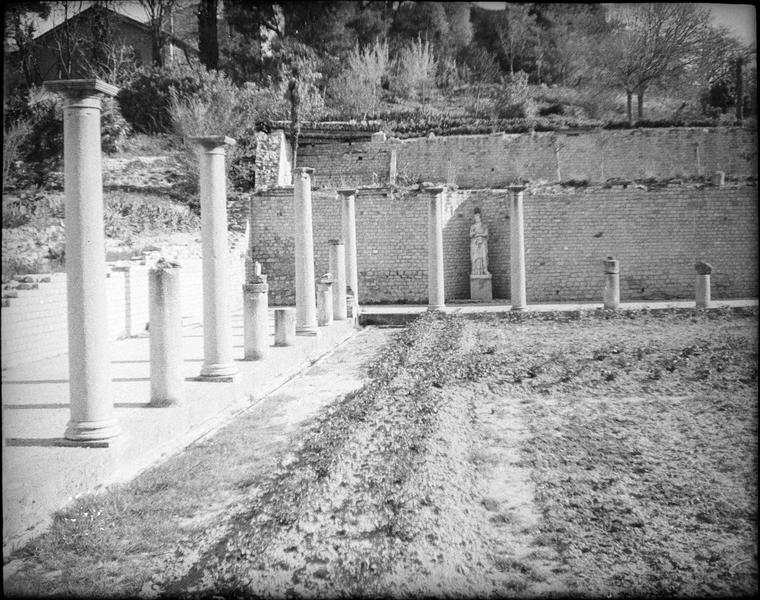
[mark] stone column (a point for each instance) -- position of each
(338, 270)
(348, 221)
(702, 289)
(167, 383)
(611, 293)
(324, 300)
(284, 326)
(256, 316)
(92, 414)
(719, 179)
(517, 248)
(435, 248)
(218, 364)
(306, 309)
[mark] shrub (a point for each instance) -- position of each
(219, 108)
(516, 101)
(358, 89)
(146, 101)
(14, 135)
(415, 71)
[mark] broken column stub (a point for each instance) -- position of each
(256, 316)
(436, 299)
(92, 413)
(719, 179)
(325, 300)
(338, 269)
(284, 326)
(348, 224)
(218, 364)
(611, 293)
(306, 309)
(702, 287)
(517, 248)
(167, 382)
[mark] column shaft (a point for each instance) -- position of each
(348, 222)
(517, 251)
(306, 307)
(91, 414)
(435, 251)
(338, 270)
(167, 382)
(217, 319)
(255, 321)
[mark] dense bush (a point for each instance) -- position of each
(146, 101)
(357, 91)
(126, 216)
(414, 71)
(515, 101)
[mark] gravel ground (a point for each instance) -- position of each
(610, 454)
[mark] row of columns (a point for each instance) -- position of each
(92, 416)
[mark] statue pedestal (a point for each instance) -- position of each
(480, 288)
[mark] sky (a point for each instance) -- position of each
(739, 18)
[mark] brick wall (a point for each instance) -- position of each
(480, 161)
(34, 322)
(657, 234)
(342, 165)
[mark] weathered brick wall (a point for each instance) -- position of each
(34, 322)
(657, 235)
(481, 161)
(338, 165)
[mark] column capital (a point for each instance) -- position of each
(303, 171)
(81, 88)
(209, 142)
(347, 192)
(517, 188)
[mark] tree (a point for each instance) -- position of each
(159, 13)
(653, 43)
(208, 44)
(358, 88)
(515, 27)
(19, 31)
(483, 69)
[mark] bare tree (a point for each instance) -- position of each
(159, 14)
(515, 28)
(653, 43)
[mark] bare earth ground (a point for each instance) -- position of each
(606, 455)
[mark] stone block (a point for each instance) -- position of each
(480, 288)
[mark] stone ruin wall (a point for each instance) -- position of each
(656, 233)
(493, 161)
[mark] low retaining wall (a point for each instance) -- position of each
(34, 322)
(656, 233)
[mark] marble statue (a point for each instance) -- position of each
(478, 246)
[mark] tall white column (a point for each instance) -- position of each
(306, 303)
(338, 270)
(92, 414)
(517, 248)
(348, 222)
(435, 248)
(218, 364)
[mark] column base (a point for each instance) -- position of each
(517, 308)
(92, 431)
(436, 307)
(223, 372)
(306, 330)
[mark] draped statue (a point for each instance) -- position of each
(478, 246)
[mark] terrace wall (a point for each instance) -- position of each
(657, 233)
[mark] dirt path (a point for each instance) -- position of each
(402, 489)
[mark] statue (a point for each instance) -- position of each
(478, 245)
